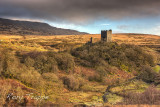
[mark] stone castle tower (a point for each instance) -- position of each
(106, 35)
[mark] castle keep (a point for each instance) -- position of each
(106, 35)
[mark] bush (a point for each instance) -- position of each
(71, 82)
(41, 64)
(89, 74)
(65, 62)
(32, 78)
(45, 64)
(50, 77)
(151, 97)
(147, 74)
(96, 77)
(5, 88)
(157, 79)
(9, 64)
(49, 61)
(33, 54)
(102, 71)
(29, 62)
(81, 82)
(125, 57)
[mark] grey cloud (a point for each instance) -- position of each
(79, 11)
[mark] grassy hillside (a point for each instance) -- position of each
(63, 70)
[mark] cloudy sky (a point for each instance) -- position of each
(92, 16)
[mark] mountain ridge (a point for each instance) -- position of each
(17, 27)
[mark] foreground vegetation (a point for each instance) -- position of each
(78, 74)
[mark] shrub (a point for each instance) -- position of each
(45, 64)
(31, 78)
(50, 77)
(125, 57)
(71, 82)
(81, 82)
(12, 68)
(5, 88)
(102, 71)
(89, 74)
(151, 97)
(147, 74)
(157, 79)
(49, 61)
(9, 64)
(52, 64)
(65, 62)
(29, 62)
(96, 77)
(33, 54)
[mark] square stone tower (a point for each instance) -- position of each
(106, 35)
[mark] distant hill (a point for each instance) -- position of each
(14, 27)
(136, 34)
